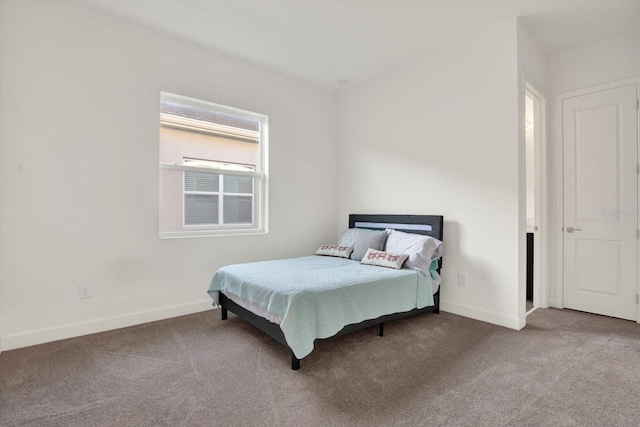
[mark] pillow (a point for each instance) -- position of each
(335, 250)
(435, 276)
(384, 259)
(421, 249)
(362, 239)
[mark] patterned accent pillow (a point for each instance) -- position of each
(362, 239)
(384, 259)
(335, 250)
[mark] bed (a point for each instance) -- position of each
(300, 300)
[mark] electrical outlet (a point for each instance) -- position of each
(84, 291)
(462, 279)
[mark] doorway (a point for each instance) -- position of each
(534, 176)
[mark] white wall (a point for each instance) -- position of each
(1, 123)
(530, 161)
(442, 138)
(610, 59)
(79, 171)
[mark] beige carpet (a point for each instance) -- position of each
(564, 368)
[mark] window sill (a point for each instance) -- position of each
(209, 233)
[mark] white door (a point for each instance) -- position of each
(600, 137)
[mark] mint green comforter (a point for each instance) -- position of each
(317, 296)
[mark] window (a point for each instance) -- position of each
(212, 168)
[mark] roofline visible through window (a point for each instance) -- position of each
(201, 126)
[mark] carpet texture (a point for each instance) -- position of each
(565, 368)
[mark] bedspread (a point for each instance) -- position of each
(317, 296)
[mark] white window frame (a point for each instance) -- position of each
(260, 176)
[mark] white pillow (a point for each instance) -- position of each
(384, 259)
(362, 239)
(421, 249)
(335, 250)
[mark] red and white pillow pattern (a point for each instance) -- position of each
(335, 250)
(384, 259)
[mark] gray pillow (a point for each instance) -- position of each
(362, 239)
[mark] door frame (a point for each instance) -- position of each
(540, 242)
(559, 147)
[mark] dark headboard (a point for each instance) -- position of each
(430, 225)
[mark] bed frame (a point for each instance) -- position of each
(431, 225)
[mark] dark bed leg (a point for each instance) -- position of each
(223, 313)
(381, 330)
(295, 362)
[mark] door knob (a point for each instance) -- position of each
(571, 229)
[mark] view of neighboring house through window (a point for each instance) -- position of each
(212, 168)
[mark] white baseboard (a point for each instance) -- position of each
(40, 336)
(511, 322)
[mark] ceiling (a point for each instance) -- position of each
(324, 41)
